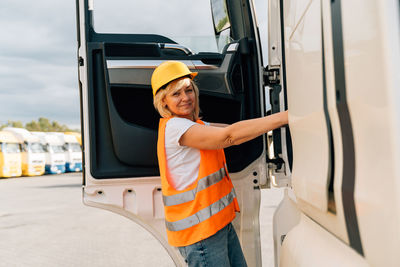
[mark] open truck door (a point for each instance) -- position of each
(120, 44)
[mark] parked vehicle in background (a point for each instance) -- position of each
(78, 136)
(55, 157)
(73, 154)
(10, 155)
(72, 151)
(33, 156)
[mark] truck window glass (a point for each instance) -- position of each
(36, 148)
(188, 23)
(12, 148)
(75, 147)
(57, 149)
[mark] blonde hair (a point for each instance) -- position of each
(174, 86)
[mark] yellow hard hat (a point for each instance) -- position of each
(167, 72)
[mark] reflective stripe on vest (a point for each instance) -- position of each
(203, 214)
(190, 195)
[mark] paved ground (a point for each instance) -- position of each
(44, 223)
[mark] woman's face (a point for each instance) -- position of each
(181, 101)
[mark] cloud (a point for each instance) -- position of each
(38, 73)
(39, 89)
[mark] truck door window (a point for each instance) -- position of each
(188, 23)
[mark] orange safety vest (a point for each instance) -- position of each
(203, 208)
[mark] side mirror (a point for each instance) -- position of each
(220, 16)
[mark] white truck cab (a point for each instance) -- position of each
(55, 157)
(333, 64)
(72, 151)
(73, 154)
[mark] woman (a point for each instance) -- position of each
(198, 195)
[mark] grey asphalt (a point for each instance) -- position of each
(44, 223)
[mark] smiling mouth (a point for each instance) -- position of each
(187, 105)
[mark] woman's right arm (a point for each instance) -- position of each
(209, 137)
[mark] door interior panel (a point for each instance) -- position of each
(124, 128)
(123, 97)
(104, 160)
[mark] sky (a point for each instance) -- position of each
(38, 59)
(38, 73)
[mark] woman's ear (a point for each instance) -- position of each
(163, 102)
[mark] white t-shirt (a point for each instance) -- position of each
(183, 161)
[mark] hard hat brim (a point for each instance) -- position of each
(191, 75)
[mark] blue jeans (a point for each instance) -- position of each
(219, 250)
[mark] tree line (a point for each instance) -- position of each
(41, 125)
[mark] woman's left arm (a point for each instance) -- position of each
(209, 137)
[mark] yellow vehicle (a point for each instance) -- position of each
(32, 152)
(10, 155)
